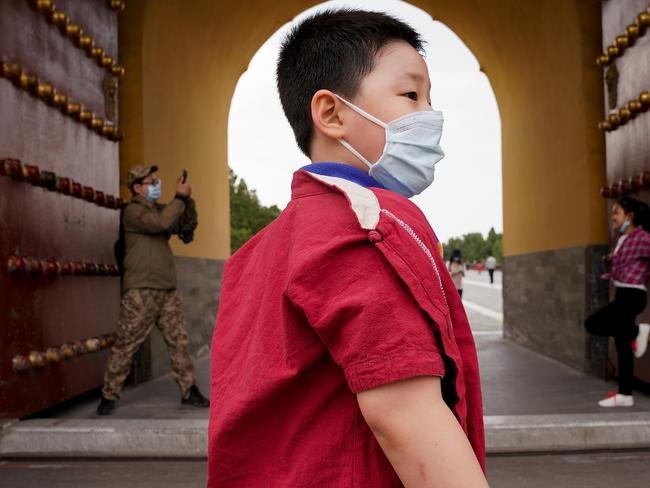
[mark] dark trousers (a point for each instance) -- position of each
(491, 271)
(618, 320)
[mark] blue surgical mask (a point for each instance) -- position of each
(412, 149)
(624, 227)
(154, 191)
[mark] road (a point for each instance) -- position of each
(483, 301)
(600, 470)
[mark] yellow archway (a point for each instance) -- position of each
(183, 65)
(183, 62)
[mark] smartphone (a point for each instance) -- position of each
(184, 175)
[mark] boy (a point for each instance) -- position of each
(341, 354)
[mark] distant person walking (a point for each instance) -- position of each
(457, 270)
(491, 265)
(630, 269)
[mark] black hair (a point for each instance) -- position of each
(332, 50)
(639, 210)
(456, 254)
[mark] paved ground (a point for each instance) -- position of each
(603, 470)
(157, 399)
(483, 301)
(515, 380)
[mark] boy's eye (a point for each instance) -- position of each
(412, 95)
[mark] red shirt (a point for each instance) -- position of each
(631, 263)
(314, 309)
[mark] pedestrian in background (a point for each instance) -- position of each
(630, 269)
(491, 265)
(457, 270)
(149, 293)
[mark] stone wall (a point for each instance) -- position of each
(547, 297)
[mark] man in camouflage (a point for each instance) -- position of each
(149, 294)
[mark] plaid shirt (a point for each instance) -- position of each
(631, 263)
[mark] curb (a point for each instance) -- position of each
(176, 438)
(516, 434)
(142, 438)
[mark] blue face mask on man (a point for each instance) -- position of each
(407, 163)
(154, 191)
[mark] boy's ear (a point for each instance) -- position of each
(325, 114)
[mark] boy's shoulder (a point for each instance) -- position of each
(330, 202)
(339, 200)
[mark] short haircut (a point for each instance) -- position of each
(332, 50)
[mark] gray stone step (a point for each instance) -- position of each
(507, 434)
(174, 438)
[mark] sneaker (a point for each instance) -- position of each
(195, 398)
(641, 341)
(106, 407)
(614, 399)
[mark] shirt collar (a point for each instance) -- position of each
(344, 171)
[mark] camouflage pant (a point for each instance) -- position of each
(140, 310)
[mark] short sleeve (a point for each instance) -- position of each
(366, 317)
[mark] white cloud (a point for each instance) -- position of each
(466, 196)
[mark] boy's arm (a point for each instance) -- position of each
(420, 435)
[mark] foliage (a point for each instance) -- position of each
(474, 247)
(247, 215)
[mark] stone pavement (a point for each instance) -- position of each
(515, 381)
(531, 403)
(585, 470)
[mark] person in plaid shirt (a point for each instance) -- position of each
(630, 269)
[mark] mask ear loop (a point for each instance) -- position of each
(363, 113)
(347, 145)
(366, 115)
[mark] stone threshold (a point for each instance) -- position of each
(178, 438)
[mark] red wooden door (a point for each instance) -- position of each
(59, 177)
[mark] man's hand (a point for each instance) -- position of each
(184, 189)
(420, 435)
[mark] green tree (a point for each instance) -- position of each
(474, 247)
(247, 215)
(494, 245)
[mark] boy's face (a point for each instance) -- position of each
(398, 85)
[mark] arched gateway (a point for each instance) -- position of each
(182, 62)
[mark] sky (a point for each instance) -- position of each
(466, 194)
